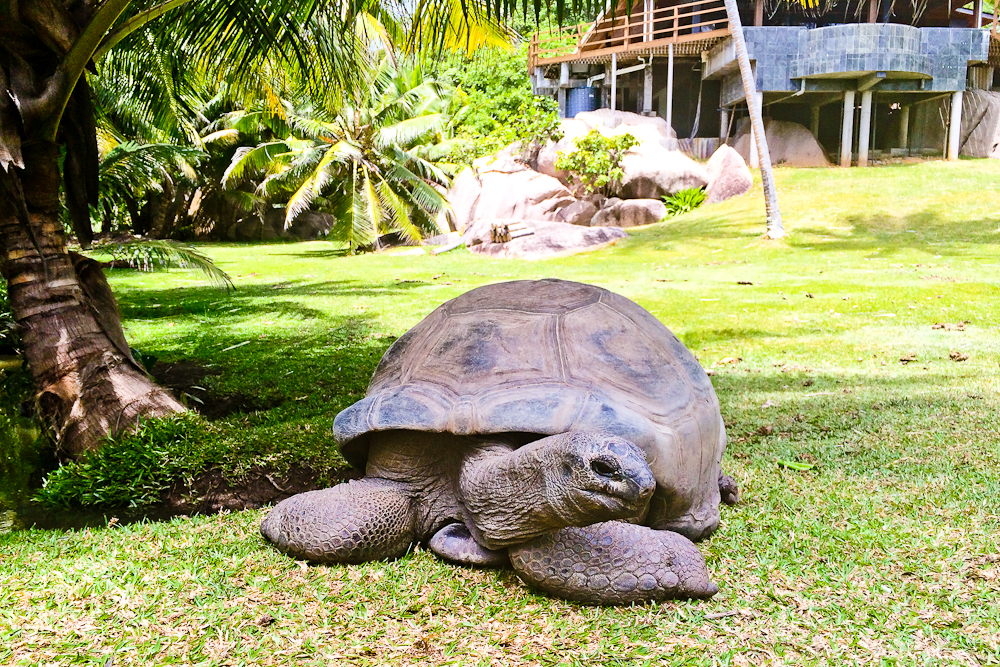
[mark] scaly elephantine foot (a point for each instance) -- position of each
(354, 522)
(614, 563)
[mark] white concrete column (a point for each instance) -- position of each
(847, 132)
(614, 81)
(904, 127)
(724, 123)
(864, 128)
(670, 85)
(561, 101)
(754, 153)
(814, 120)
(647, 88)
(955, 125)
(564, 74)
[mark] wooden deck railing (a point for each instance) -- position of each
(642, 30)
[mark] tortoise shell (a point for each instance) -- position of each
(550, 356)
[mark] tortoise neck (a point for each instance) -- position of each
(504, 492)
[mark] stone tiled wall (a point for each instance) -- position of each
(782, 54)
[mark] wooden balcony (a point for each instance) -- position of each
(646, 31)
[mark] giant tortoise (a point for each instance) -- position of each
(550, 424)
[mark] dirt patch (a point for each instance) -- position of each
(181, 375)
(212, 492)
(186, 377)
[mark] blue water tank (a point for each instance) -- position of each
(580, 99)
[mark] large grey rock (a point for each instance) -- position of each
(582, 211)
(652, 172)
(981, 123)
(728, 175)
(549, 153)
(650, 130)
(550, 239)
(503, 189)
(787, 143)
(631, 212)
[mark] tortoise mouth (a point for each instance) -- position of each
(617, 502)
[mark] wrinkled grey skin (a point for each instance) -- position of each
(475, 500)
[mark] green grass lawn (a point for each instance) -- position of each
(884, 552)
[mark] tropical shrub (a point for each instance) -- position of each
(356, 161)
(596, 163)
(684, 201)
(501, 108)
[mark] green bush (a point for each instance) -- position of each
(684, 201)
(597, 161)
(131, 470)
(501, 108)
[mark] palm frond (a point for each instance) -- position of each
(146, 255)
(248, 160)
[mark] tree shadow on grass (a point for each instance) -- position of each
(699, 337)
(686, 228)
(924, 230)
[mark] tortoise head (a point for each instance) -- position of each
(569, 479)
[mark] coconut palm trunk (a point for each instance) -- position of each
(87, 384)
(775, 230)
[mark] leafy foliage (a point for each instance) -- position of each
(355, 161)
(8, 328)
(129, 171)
(501, 107)
(131, 470)
(684, 201)
(596, 162)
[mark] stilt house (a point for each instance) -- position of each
(862, 75)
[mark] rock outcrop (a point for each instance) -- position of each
(787, 142)
(504, 189)
(630, 212)
(652, 172)
(551, 239)
(728, 175)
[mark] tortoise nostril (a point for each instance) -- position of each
(604, 468)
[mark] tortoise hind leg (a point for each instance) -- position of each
(614, 563)
(363, 520)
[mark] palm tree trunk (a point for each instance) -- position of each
(775, 230)
(88, 387)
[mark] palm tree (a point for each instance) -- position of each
(87, 385)
(358, 165)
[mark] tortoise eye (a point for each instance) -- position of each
(603, 468)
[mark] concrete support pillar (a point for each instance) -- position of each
(564, 74)
(724, 123)
(904, 127)
(647, 88)
(955, 125)
(561, 101)
(864, 128)
(754, 153)
(614, 81)
(670, 85)
(814, 120)
(847, 132)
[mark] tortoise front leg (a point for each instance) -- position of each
(614, 563)
(363, 520)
